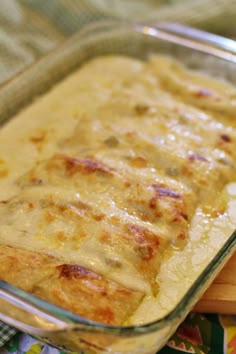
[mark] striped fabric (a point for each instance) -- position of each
(31, 28)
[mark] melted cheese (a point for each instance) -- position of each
(125, 172)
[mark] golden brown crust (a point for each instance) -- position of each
(89, 294)
(23, 269)
(69, 286)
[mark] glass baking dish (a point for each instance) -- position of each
(196, 49)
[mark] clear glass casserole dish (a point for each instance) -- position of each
(197, 50)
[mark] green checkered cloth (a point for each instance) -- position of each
(6, 333)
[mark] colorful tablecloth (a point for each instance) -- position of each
(31, 28)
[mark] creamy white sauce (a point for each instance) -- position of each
(182, 268)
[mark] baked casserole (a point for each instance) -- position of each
(126, 170)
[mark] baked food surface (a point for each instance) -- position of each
(104, 178)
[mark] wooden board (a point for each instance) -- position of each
(221, 296)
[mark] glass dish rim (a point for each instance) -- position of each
(201, 41)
